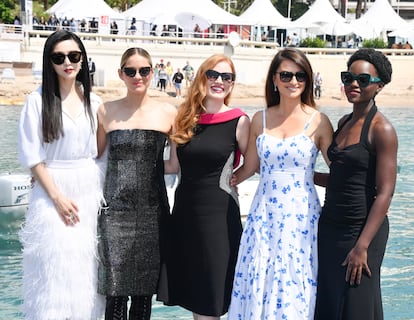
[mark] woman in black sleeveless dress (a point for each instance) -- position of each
(353, 227)
(134, 129)
(204, 229)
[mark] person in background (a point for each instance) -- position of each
(353, 228)
(114, 29)
(163, 78)
(178, 79)
(92, 70)
(133, 130)
(276, 272)
(318, 85)
(188, 73)
(204, 229)
(57, 141)
(169, 69)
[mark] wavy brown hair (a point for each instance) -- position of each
(190, 110)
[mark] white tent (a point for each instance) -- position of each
(80, 9)
(322, 14)
(148, 10)
(379, 18)
(262, 12)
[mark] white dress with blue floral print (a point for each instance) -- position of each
(276, 271)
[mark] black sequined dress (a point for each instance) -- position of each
(136, 199)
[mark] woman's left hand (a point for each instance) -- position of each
(356, 263)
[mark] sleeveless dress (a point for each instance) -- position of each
(276, 270)
(129, 227)
(205, 225)
(350, 194)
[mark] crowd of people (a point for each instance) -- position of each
(100, 239)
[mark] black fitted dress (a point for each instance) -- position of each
(137, 199)
(205, 226)
(350, 194)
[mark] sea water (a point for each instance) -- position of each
(397, 269)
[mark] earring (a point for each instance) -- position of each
(275, 89)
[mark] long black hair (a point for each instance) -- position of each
(52, 125)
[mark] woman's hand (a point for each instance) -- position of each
(356, 263)
(67, 210)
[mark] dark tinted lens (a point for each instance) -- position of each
(130, 72)
(363, 79)
(301, 76)
(212, 75)
(285, 76)
(74, 56)
(144, 71)
(227, 76)
(57, 58)
(347, 78)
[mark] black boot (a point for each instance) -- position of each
(116, 308)
(140, 308)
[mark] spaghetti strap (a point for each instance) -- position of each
(309, 121)
(264, 121)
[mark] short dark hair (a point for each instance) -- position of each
(377, 59)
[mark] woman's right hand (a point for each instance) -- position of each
(67, 210)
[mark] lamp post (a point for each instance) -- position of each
(289, 6)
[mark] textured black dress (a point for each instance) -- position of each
(136, 198)
(350, 194)
(205, 226)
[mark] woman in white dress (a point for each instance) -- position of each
(57, 142)
(276, 271)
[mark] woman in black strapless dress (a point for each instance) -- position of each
(134, 130)
(353, 227)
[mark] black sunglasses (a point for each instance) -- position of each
(131, 72)
(287, 76)
(363, 79)
(59, 57)
(225, 76)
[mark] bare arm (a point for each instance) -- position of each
(386, 144)
(324, 134)
(101, 133)
(251, 158)
(242, 133)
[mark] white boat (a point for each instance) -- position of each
(14, 195)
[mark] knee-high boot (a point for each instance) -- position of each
(116, 308)
(140, 308)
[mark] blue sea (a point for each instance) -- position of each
(397, 268)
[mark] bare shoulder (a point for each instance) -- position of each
(382, 128)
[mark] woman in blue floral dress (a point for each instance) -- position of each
(276, 271)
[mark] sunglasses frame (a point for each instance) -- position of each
(59, 58)
(287, 76)
(225, 76)
(132, 72)
(369, 78)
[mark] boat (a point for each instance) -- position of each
(14, 195)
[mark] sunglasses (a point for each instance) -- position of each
(363, 79)
(225, 76)
(287, 76)
(131, 72)
(59, 57)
